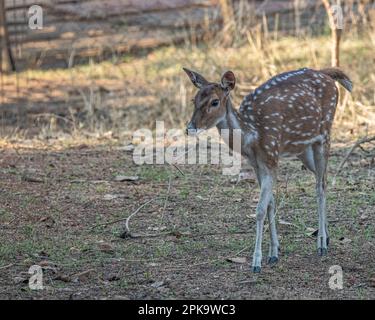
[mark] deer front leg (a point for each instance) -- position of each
(273, 255)
(264, 201)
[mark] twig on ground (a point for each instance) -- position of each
(7, 266)
(126, 219)
(166, 198)
(356, 145)
(179, 170)
(242, 250)
(127, 232)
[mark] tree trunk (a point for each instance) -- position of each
(336, 33)
(6, 58)
(336, 38)
(228, 20)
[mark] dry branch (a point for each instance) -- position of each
(6, 58)
(356, 145)
(126, 219)
(7, 266)
(336, 33)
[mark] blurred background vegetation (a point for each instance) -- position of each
(105, 68)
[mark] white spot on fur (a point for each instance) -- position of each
(319, 138)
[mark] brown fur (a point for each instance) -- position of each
(292, 113)
(286, 112)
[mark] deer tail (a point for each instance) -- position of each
(340, 77)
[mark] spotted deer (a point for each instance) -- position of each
(290, 114)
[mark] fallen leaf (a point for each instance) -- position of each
(29, 178)
(312, 232)
(157, 284)
(82, 146)
(63, 278)
(49, 221)
(46, 263)
(83, 276)
(109, 197)
(153, 264)
(111, 277)
(344, 240)
(78, 181)
(74, 251)
(18, 280)
(125, 178)
(105, 247)
(157, 228)
(286, 223)
(99, 181)
(202, 198)
(237, 260)
(128, 148)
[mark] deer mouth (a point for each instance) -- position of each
(194, 132)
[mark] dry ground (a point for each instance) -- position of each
(52, 199)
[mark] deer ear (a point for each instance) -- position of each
(198, 80)
(228, 81)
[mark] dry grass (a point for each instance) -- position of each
(133, 92)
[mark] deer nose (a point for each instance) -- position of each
(190, 127)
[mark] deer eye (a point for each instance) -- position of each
(215, 103)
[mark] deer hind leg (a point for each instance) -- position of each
(273, 255)
(307, 158)
(246, 170)
(265, 179)
(320, 151)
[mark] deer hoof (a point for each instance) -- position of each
(256, 269)
(272, 260)
(322, 251)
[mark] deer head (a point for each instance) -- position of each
(210, 103)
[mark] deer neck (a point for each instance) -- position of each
(232, 120)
